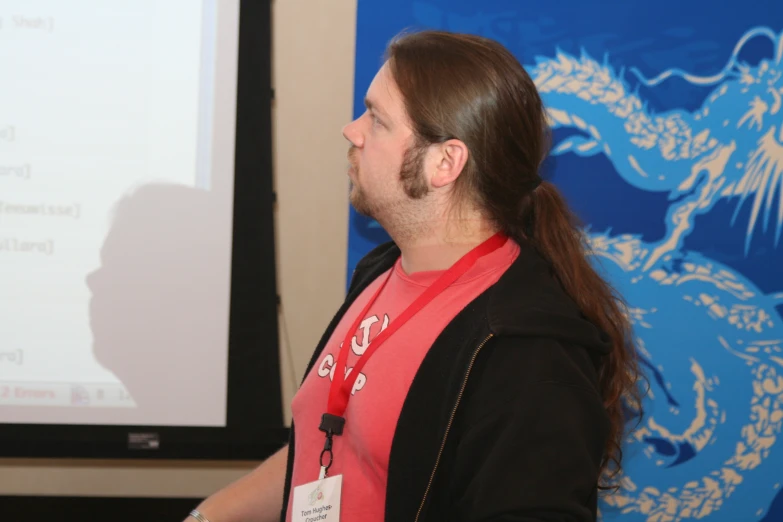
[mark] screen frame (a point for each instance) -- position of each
(254, 419)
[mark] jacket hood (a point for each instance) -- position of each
(530, 302)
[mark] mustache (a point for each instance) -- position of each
(352, 152)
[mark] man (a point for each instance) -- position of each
(476, 368)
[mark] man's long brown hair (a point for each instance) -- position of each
(458, 86)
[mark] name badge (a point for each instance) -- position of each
(318, 501)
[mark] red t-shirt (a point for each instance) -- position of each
(361, 453)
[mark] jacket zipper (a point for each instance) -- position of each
(451, 421)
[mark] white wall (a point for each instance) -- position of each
(313, 52)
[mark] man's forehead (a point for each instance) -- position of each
(383, 94)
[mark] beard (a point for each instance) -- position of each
(411, 175)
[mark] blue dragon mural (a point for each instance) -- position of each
(717, 427)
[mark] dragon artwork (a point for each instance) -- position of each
(711, 341)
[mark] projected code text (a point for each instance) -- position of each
(12, 357)
(17, 245)
(72, 210)
(15, 171)
(7, 133)
(30, 23)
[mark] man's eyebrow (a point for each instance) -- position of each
(373, 107)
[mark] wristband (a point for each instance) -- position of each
(198, 516)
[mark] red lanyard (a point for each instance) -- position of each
(332, 422)
(340, 389)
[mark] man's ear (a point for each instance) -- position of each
(452, 155)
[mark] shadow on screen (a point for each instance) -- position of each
(153, 310)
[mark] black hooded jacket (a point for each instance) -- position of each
(503, 421)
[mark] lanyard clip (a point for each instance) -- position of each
(327, 450)
(331, 425)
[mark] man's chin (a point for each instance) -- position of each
(362, 210)
(358, 202)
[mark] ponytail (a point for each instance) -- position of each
(556, 233)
